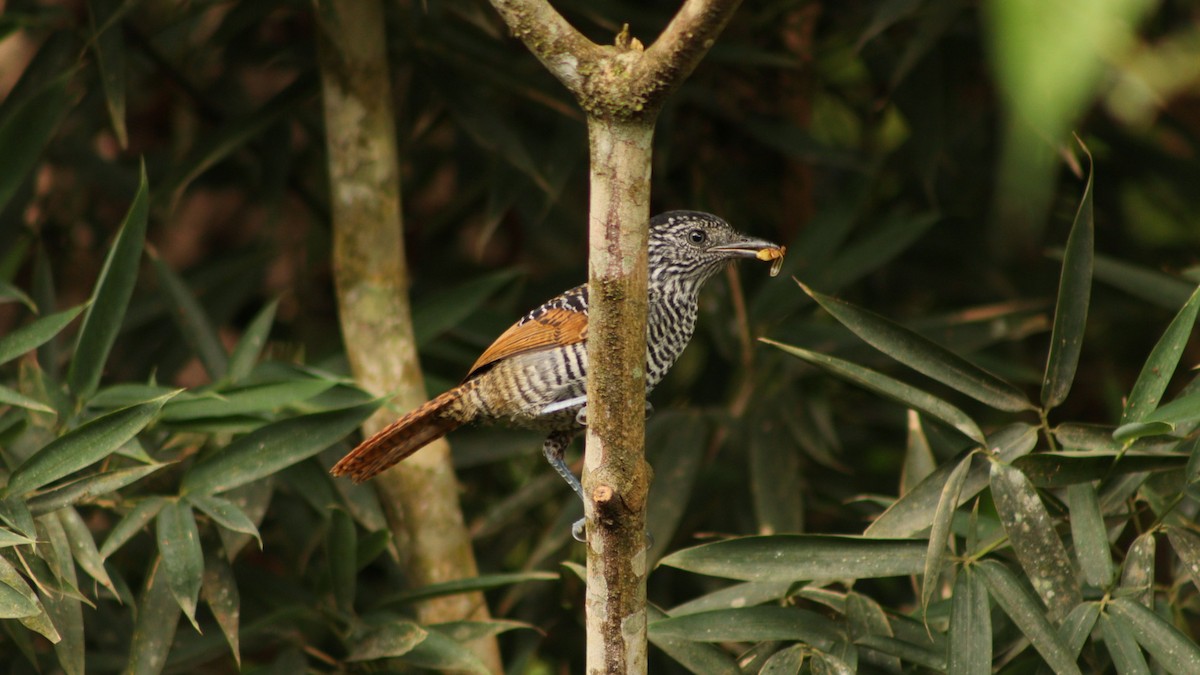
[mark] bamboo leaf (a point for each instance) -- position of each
(1063, 469)
(1159, 289)
(272, 448)
(894, 389)
(245, 400)
(1118, 639)
(918, 456)
(340, 545)
(109, 46)
(84, 489)
(83, 547)
(1137, 573)
(1070, 311)
(1187, 546)
(16, 398)
(10, 538)
(1171, 648)
(219, 590)
(786, 661)
(154, 629)
(133, 522)
(438, 652)
(439, 312)
(197, 329)
(83, 446)
(226, 514)
(30, 337)
(1077, 627)
(924, 355)
(250, 346)
(395, 638)
(795, 557)
(114, 287)
(1090, 535)
(17, 599)
(970, 649)
(26, 129)
(751, 624)
(1026, 612)
(698, 657)
(939, 532)
(484, 582)
(1031, 532)
(1160, 366)
(182, 556)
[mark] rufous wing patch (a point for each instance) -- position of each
(555, 327)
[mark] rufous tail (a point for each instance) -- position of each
(401, 438)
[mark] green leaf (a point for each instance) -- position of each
(272, 448)
(1031, 532)
(896, 390)
(26, 129)
(484, 582)
(197, 329)
(109, 45)
(1063, 469)
(340, 549)
(438, 652)
(219, 590)
(1160, 289)
(250, 346)
(83, 446)
(786, 661)
(114, 287)
(1077, 627)
(1171, 648)
(698, 657)
(182, 556)
(1187, 546)
(226, 514)
(751, 624)
(83, 547)
(1137, 573)
(16, 398)
(1134, 430)
(939, 532)
(86, 488)
(1121, 645)
(245, 400)
(27, 338)
(924, 355)
(1026, 612)
(154, 629)
(17, 599)
(10, 538)
(394, 638)
(919, 461)
(970, 649)
(439, 312)
(1090, 535)
(914, 512)
(675, 446)
(793, 557)
(1160, 366)
(131, 524)
(9, 293)
(1070, 311)
(745, 594)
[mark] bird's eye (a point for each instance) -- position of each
(698, 236)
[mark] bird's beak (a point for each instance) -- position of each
(756, 248)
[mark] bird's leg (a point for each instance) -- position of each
(556, 443)
(649, 409)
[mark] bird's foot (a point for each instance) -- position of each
(649, 409)
(579, 530)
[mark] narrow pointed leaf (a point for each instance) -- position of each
(1173, 650)
(1187, 546)
(943, 517)
(340, 553)
(154, 629)
(924, 355)
(1090, 535)
(395, 638)
(1160, 366)
(470, 585)
(970, 649)
(197, 329)
(108, 43)
(16, 398)
(1070, 311)
(698, 657)
(114, 287)
(1027, 613)
(17, 599)
(1154, 287)
(85, 489)
(894, 389)
(1031, 532)
(10, 538)
(1077, 627)
(745, 594)
(133, 522)
(786, 661)
(918, 456)
(272, 448)
(83, 547)
(796, 557)
(1137, 574)
(1122, 647)
(441, 653)
(752, 624)
(182, 556)
(914, 512)
(1063, 469)
(440, 312)
(25, 129)
(250, 346)
(83, 446)
(35, 334)
(226, 514)
(245, 400)
(219, 590)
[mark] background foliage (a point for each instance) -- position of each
(172, 389)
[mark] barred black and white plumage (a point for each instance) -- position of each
(535, 374)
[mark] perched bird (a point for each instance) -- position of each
(534, 375)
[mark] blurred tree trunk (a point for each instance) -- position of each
(420, 494)
(621, 87)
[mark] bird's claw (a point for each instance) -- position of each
(579, 530)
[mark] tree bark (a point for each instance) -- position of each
(371, 278)
(621, 87)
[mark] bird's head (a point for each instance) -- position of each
(692, 246)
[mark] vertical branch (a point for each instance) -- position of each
(371, 280)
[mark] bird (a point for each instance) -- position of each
(534, 376)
